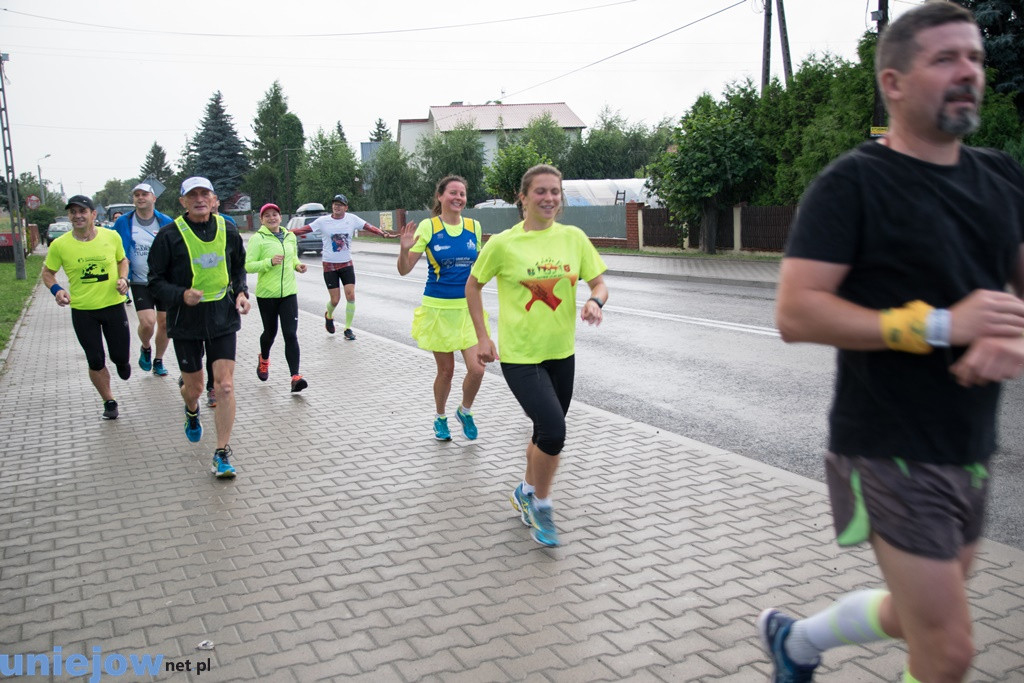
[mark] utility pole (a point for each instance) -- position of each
(766, 47)
(878, 119)
(13, 202)
(787, 63)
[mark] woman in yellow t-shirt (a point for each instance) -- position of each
(442, 323)
(538, 263)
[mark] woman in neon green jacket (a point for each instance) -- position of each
(273, 256)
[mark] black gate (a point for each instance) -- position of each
(658, 232)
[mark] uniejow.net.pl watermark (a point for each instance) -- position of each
(97, 666)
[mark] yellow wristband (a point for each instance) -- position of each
(903, 329)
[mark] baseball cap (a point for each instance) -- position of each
(340, 198)
(192, 183)
(145, 187)
(273, 206)
(80, 200)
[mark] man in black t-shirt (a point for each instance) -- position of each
(900, 256)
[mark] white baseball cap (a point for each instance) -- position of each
(145, 187)
(194, 182)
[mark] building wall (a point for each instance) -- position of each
(410, 133)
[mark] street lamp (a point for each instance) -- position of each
(39, 172)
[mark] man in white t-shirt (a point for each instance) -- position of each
(337, 232)
(137, 229)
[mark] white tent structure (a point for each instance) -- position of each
(605, 192)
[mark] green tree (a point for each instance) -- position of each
(380, 132)
(503, 177)
(460, 152)
(615, 148)
(330, 168)
(115, 192)
(156, 166)
(266, 146)
(219, 152)
(1002, 28)
(276, 152)
(394, 181)
(712, 164)
(548, 138)
(43, 217)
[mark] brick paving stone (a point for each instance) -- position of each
(355, 566)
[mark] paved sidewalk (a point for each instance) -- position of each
(354, 545)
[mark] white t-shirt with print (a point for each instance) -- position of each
(142, 236)
(337, 234)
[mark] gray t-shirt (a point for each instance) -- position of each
(143, 233)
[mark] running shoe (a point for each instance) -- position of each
(144, 359)
(543, 527)
(193, 427)
(158, 368)
(110, 410)
(329, 324)
(523, 503)
(468, 426)
(774, 628)
(263, 368)
(441, 432)
(298, 384)
(349, 334)
(211, 399)
(124, 371)
(221, 466)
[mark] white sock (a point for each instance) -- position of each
(441, 415)
(465, 410)
(852, 620)
(527, 489)
(541, 502)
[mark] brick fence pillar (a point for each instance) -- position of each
(632, 225)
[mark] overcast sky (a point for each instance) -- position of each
(94, 84)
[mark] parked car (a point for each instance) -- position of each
(116, 208)
(57, 229)
(304, 215)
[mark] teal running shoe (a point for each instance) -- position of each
(774, 627)
(543, 527)
(522, 502)
(158, 368)
(193, 427)
(221, 466)
(145, 359)
(468, 426)
(441, 432)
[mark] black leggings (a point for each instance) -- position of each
(544, 390)
(287, 309)
(92, 327)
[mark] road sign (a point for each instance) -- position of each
(33, 202)
(158, 187)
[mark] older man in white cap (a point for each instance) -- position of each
(138, 229)
(197, 268)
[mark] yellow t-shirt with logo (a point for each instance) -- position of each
(91, 268)
(537, 272)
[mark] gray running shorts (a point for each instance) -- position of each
(920, 508)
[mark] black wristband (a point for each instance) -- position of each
(600, 304)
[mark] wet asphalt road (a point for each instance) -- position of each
(699, 360)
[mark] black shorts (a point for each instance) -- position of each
(346, 275)
(544, 390)
(144, 300)
(93, 326)
(920, 508)
(190, 351)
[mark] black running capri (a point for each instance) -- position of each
(93, 326)
(544, 390)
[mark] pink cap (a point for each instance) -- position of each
(275, 207)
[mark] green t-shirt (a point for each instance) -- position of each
(91, 268)
(537, 273)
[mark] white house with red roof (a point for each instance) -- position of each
(489, 119)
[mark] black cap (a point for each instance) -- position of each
(340, 198)
(80, 200)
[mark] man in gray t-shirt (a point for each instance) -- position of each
(138, 229)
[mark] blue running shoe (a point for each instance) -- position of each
(144, 360)
(543, 527)
(193, 427)
(774, 628)
(441, 432)
(158, 368)
(522, 502)
(221, 466)
(468, 426)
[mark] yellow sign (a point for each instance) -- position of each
(386, 222)
(879, 131)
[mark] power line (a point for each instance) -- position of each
(605, 59)
(136, 29)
